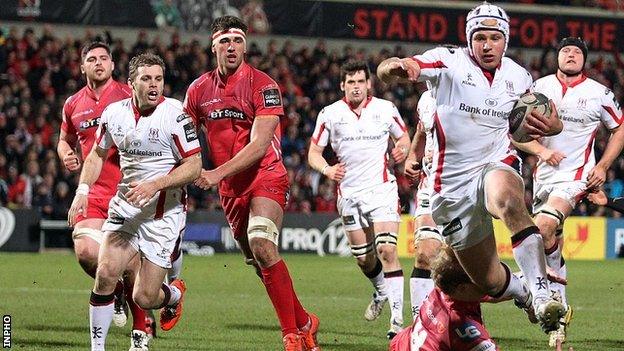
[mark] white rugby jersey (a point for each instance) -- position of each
(149, 147)
(360, 142)
(582, 107)
(426, 111)
(470, 123)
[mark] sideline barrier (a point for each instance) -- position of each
(586, 238)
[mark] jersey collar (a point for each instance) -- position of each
(366, 102)
(91, 93)
(564, 87)
(232, 79)
(488, 75)
(138, 114)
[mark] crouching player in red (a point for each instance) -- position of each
(240, 108)
(450, 317)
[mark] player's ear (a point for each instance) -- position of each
(369, 85)
(82, 70)
(214, 51)
(342, 86)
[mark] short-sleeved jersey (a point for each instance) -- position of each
(582, 107)
(81, 117)
(360, 142)
(472, 109)
(426, 109)
(149, 147)
(227, 109)
(445, 325)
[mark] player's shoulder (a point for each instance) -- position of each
(380, 103)
(122, 89)
(173, 103)
(116, 107)
(259, 78)
(201, 81)
(73, 99)
(595, 86)
(513, 67)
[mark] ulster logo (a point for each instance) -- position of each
(153, 135)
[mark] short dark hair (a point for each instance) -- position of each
(94, 45)
(228, 22)
(351, 67)
(446, 271)
(145, 59)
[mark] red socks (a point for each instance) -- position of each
(279, 286)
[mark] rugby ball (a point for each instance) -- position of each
(523, 107)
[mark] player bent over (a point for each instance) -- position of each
(158, 155)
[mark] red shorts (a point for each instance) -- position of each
(237, 208)
(97, 208)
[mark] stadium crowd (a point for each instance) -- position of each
(37, 74)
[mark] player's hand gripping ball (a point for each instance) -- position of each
(523, 107)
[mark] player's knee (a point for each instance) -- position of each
(386, 245)
(106, 277)
(423, 260)
(510, 207)
(363, 254)
(263, 240)
(145, 299)
(549, 220)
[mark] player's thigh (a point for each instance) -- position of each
(149, 279)
(268, 208)
(481, 262)
(87, 237)
(358, 237)
(503, 191)
(115, 254)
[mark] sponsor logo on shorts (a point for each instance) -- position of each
(272, 97)
(468, 332)
(452, 227)
(116, 220)
(348, 220)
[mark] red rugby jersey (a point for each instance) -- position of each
(227, 109)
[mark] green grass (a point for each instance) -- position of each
(227, 308)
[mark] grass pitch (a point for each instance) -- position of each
(226, 307)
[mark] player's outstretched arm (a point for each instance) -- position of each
(90, 173)
(395, 69)
(141, 192)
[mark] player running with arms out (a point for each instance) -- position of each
(240, 108)
(584, 105)
(427, 237)
(158, 154)
(80, 119)
(476, 171)
(359, 127)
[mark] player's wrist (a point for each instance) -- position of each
(324, 170)
(83, 189)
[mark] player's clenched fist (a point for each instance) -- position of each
(71, 161)
(412, 170)
(208, 179)
(399, 154)
(335, 172)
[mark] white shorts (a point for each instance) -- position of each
(571, 192)
(423, 198)
(155, 239)
(377, 204)
(466, 220)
